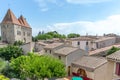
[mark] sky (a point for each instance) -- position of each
(67, 16)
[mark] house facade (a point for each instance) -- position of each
(90, 44)
(114, 66)
(13, 29)
(51, 48)
(90, 68)
(67, 55)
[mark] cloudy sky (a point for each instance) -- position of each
(67, 16)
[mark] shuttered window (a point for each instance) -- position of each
(117, 71)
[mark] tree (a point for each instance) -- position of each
(34, 39)
(10, 52)
(38, 67)
(112, 50)
(50, 35)
(73, 35)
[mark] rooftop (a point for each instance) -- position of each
(102, 49)
(104, 38)
(115, 56)
(65, 50)
(82, 38)
(11, 18)
(90, 63)
(53, 45)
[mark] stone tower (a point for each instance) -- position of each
(13, 29)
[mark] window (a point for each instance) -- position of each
(78, 43)
(28, 34)
(18, 33)
(24, 33)
(97, 45)
(50, 51)
(46, 51)
(87, 43)
(59, 57)
(117, 71)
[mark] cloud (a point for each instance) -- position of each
(110, 25)
(44, 4)
(86, 1)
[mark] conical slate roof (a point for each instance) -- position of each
(23, 21)
(10, 18)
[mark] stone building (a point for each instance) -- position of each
(13, 29)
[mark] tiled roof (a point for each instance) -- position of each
(65, 50)
(104, 38)
(10, 18)
(102, 49)
(53, 45)
(89, 63)
(23, 21)
(42, 43)
(82, 38)
(115, 56)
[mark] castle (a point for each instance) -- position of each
(13, 29)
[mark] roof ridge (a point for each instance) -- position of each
(10, 18)
(23, 21)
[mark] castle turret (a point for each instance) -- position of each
(13, 29)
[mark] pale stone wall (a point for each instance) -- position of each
(74, 56)
(7, 33)
(11, 33)
(63, 58)
(26, 34)
(111, 71)
(28, 47)
(106, 43)
(101, 73)
(18, 36)
(83, 45)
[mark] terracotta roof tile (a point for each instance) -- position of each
(115, 56)
(10, 18)
(23, 21)
(90, 63)
(53, 45)
(66, 50)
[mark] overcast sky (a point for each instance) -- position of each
(67, 16)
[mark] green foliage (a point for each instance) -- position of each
(18, 43)
(112, 50)
(73, 35)
(10, 72)
(10, 52)
(38, 67)
(2, 77)
(44, 37)
(50, 35)
(34, 39)
(2, 64)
